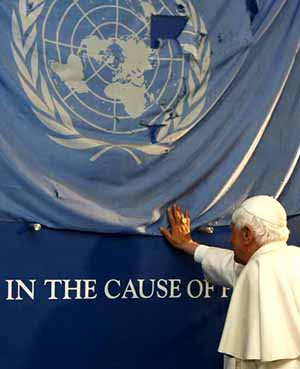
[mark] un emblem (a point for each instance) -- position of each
(95, 83)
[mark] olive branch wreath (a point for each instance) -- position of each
(47, 108)
(197, 80)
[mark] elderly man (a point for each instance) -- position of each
(262, 327)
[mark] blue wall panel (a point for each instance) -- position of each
(165, 333)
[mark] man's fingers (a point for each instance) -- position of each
(188, 219)
(177, 214)
(171, 217)
(179, 221)
(165, 233)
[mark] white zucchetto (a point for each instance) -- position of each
(266, 208)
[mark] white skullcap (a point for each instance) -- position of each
(267, 209)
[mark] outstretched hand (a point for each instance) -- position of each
(179, 235)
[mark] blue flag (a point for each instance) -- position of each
(101, 132)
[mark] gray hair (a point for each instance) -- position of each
(264, 231)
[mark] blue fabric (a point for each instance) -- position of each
(100, 132)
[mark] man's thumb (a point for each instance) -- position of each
(165, 233)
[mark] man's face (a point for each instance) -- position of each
(237, 241)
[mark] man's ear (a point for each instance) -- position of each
(248, 234)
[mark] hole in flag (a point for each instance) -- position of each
(165, 27)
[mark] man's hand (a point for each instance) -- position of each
(180, 235)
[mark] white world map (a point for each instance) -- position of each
(129, 59)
